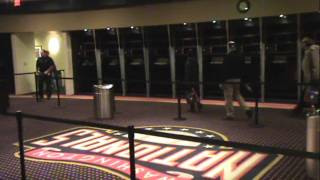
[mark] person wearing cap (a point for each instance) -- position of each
(45, 67)
(233, 66)
(310, 68)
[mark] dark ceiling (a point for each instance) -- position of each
(43, 6)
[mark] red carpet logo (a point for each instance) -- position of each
(156, 157)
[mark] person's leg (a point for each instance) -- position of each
(301, 103)
(48, 86)
(306, 88)
(197, 102)
(241, 100)
(41, 82)
(228, 96)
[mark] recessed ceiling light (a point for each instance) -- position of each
(184, 23)
(85, 30)
(132, 27)
(214, 21)
(108, 28)
(282, 16)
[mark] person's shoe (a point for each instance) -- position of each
(40, 98)
(228, 118)
(192, 107)
(249, 113)
(199, 106)
(297, 110)
(48, 97)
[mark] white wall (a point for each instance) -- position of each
(59, 46)
(24, 60)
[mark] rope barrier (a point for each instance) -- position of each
(237, 145)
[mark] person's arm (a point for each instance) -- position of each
(51, 68)
(312, 64)
(37, 65)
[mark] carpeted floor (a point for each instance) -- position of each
(280, 129)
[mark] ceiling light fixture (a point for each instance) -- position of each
(282, 16)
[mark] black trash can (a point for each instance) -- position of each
(4, 96)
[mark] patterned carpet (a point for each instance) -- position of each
(280, 129)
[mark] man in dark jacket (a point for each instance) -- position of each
(233, 66)
(45, 67)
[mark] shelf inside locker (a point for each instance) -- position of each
(216, 60)
(249, 36)
(88, 43)
(161, 62)
(108, 43)
(216, 37)
(282, 33)
(251, 44)
(134, 42)
(218, 45)
(136, 62)
(288, 53)
(283, 42)
(251, 54)
(113, 61)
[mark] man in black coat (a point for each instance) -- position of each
(233, 66)
(45, 68)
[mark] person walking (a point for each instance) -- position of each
(233, 66)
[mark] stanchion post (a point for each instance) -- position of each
(131, 152)
(256, 108)
(36, 84)
(21, 146)
(58, 88)
(179, 117)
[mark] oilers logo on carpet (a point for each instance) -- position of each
(156, 157)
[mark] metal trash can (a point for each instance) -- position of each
(103, 100)
(313, 145)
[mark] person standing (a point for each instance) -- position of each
(191, 76)
(233, 66)
(310, 61)
(310, 70)
(45, 67)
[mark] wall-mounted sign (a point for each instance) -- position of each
(17, 3)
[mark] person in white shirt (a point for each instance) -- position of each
(310, 68)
